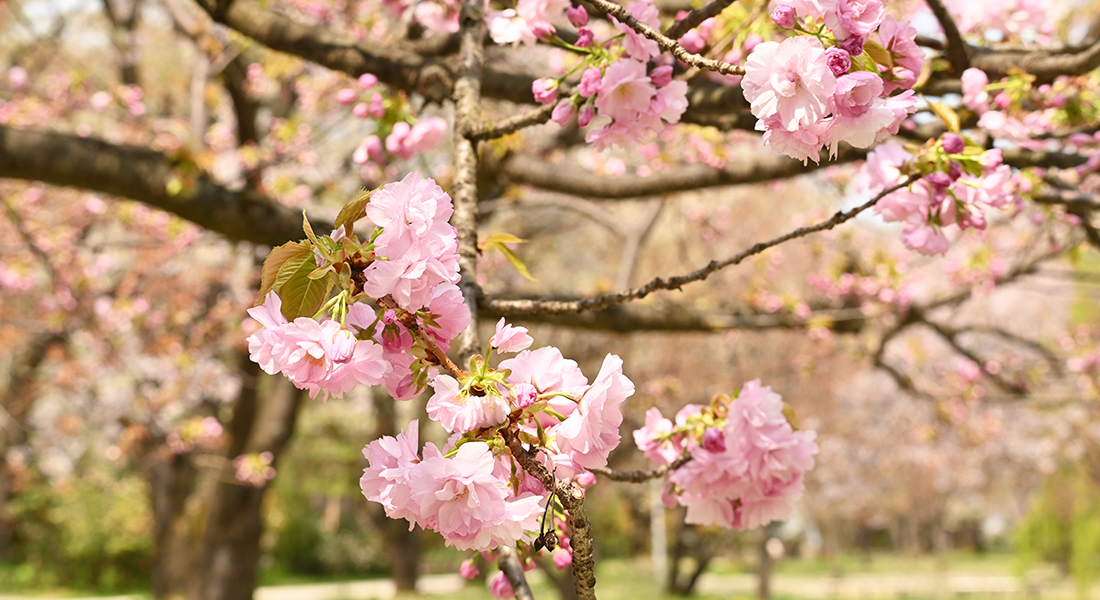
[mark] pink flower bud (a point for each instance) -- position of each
(499, 587)
(468, 569)
(661, 76)
(562, 558)
(939, 181)
(1003, 101)
(360, 110)
(377, 109)
(584, 37)
(585, 116)
(783, 16)
(563, 112)
(525, 394)
(953, 143)
(853, 45)
(578, 16)
(346, 96)
(373, 144)
(585, 479)
(545, 90)
(367, 81)
(543, 30)
(714, 440)
(590, 82)
(838, 60)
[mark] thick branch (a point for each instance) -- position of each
(522, 168)
(144, 175)
(957, 50)
(488, 130)
(606, 300)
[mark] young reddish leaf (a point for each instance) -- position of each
(353, 211)
(274, 263)
(308, 229)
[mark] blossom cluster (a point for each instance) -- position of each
(746, 460)
(412, 260)
(255, 469)
(404, 138)
(472, 491)
(833, 82)
(617, 90)
(950, 197)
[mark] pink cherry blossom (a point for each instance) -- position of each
(973, 88)
(625, 90)
(854, 17)
(390, 462)
(653, 439)
(900, 39)
(637, 45)
(590, 433)
(460, 411)
(510, 339)
(790, 81)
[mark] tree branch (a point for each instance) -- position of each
(958, 52)
(144, 175)
(522, 168)
(623, 15)
(696, 17)
(642, 476)
(606, 300)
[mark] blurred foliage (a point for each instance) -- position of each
(1063, 526)
(88, 533)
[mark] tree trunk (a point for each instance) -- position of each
(208, 533)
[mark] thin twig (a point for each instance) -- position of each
(642, 476)
(413, 326)
(665, 42)
(696, 17)
(488, 130)
(524, 307)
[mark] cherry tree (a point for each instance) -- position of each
(983, 151)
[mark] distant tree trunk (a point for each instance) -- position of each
(402, 546)
(766, 565)
(690, 543)
(16, 406)
(208, 532)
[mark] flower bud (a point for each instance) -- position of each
(839, 60)
(584, 37)
(360, 110)
(939, 181)
(783, 16)
(585, 116)
(590, 82)
(346, 96)
(543, 30)
(953, 143)
(853, 45)
(525, 394)
(661, 76)
(563, 112)
(367, 81)
(545, 90)
(578, 16)
(714, 440)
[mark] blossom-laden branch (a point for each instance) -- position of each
(571, 497)
(665, 42)
(520, 307)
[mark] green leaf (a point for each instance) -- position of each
(516, 262)
(302, 296)
(879, 53)
(497, 241)
(353, 211)
(274, 263)
(946, 114)
(499, 238)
